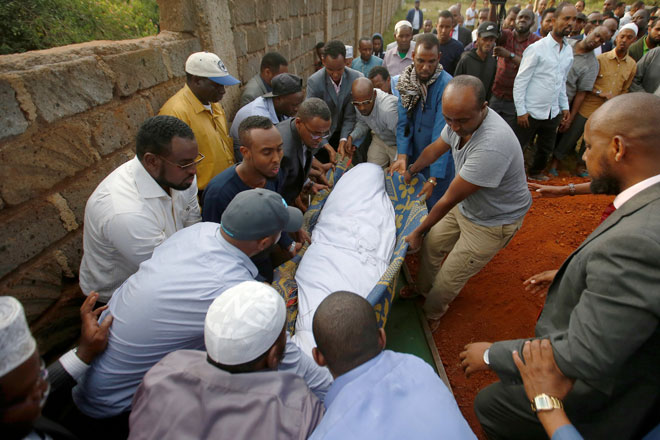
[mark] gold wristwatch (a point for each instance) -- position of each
(543, 402)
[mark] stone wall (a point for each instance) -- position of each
(68, 117)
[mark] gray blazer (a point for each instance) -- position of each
(464, 35)
(292, 169)
(601, 315)
(253, 89)
(319, 85)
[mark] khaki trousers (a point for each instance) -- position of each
(468, 248)
(379, 152)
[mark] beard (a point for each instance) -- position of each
(605, 185)
(182, 186)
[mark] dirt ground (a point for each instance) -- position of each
(494, 305)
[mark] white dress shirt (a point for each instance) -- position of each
(126, 217)
(540, 85)
(629, 193)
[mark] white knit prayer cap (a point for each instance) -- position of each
(401, 24)
(632, 26)
(243, 323)
(16, 341)
(349, 51)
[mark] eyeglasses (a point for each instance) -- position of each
(316, 135)
(200, 157)
(596, 21)
(359, 103)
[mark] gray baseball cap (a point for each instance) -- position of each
(284, 84)
(259, 213)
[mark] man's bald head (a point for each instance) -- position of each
(621, 141)
(362, 89)
(346, 332)
(621, 116)
(611, 24)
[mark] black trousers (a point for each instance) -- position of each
(546, 132)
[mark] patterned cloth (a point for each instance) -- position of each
(412, 89)
(409, 213)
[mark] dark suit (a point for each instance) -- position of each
(253, 89)
(319, 85)
(411, 16)
(601, 315)
(464, 35)
(292, 168)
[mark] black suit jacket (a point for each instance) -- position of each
(292, 168)
(411, 16)
(464, 35)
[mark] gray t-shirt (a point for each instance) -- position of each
(493, 160)
(583, 73)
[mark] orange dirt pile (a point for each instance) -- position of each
(494, 305)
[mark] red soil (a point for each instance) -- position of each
(494, 305)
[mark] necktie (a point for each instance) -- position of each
(609, 210)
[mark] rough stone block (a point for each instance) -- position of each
(273, 34)
(285, 30)
(306, 25)
(243, 12)
(117, 127)
(12, 120)
(77, 193)
(240, 42)
(176, 16)
(296, 50)
(157, 96)
(253, 65)
(296, 27)
(137, 70)
(294, 7)
(29, 166)
(264, 11)
(175, 55)
(256, 40)
(68, 88)
(26, 233)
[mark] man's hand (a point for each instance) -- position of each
(523, 120)
(93, 337)
(399, 165)
(426, 190)
(346, 148)
(472, 359)
(332, 154)
(315, 188)
(414, 241)
(565, 123)
(293, 249)
(547, 190)
(539, 372)
(301, 236)
(501, 52)
(540, 281)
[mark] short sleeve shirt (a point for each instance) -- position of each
(583, 72)
(493, 160)
(507, 69)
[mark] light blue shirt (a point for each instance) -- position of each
(159, 309)
(540, 85)
(393, 395)
(566, 432)
(259, 107)
(359, 65)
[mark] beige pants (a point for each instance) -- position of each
(470, 247)
(379, 152)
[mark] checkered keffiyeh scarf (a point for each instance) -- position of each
(412, 89)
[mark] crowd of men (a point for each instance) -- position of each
(180, 243)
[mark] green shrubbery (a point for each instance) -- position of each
(40, 24)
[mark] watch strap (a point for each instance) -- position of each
(549, 403)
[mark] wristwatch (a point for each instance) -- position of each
(543, 402)
(512, 55)
(411, 173)
(571, 189)
(432, 181)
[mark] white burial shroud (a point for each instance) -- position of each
(352, 244)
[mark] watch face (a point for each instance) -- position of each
(543, 402)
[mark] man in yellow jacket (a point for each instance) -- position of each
(198, 105)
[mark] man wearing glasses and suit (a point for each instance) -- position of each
(302, 136)
(139, 205)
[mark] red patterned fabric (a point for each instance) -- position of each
(609, 210)
(507, 69)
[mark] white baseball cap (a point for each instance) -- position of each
(243, 323)
(209, 65)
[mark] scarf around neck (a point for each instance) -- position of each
(412, 89)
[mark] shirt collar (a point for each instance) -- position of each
(629, 193)
(612, 55)
(346, 378)
(195, 103)
(146, 185)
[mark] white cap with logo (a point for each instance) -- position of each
(209, 65)
(243, 323)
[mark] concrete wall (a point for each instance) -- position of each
(68, 117)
